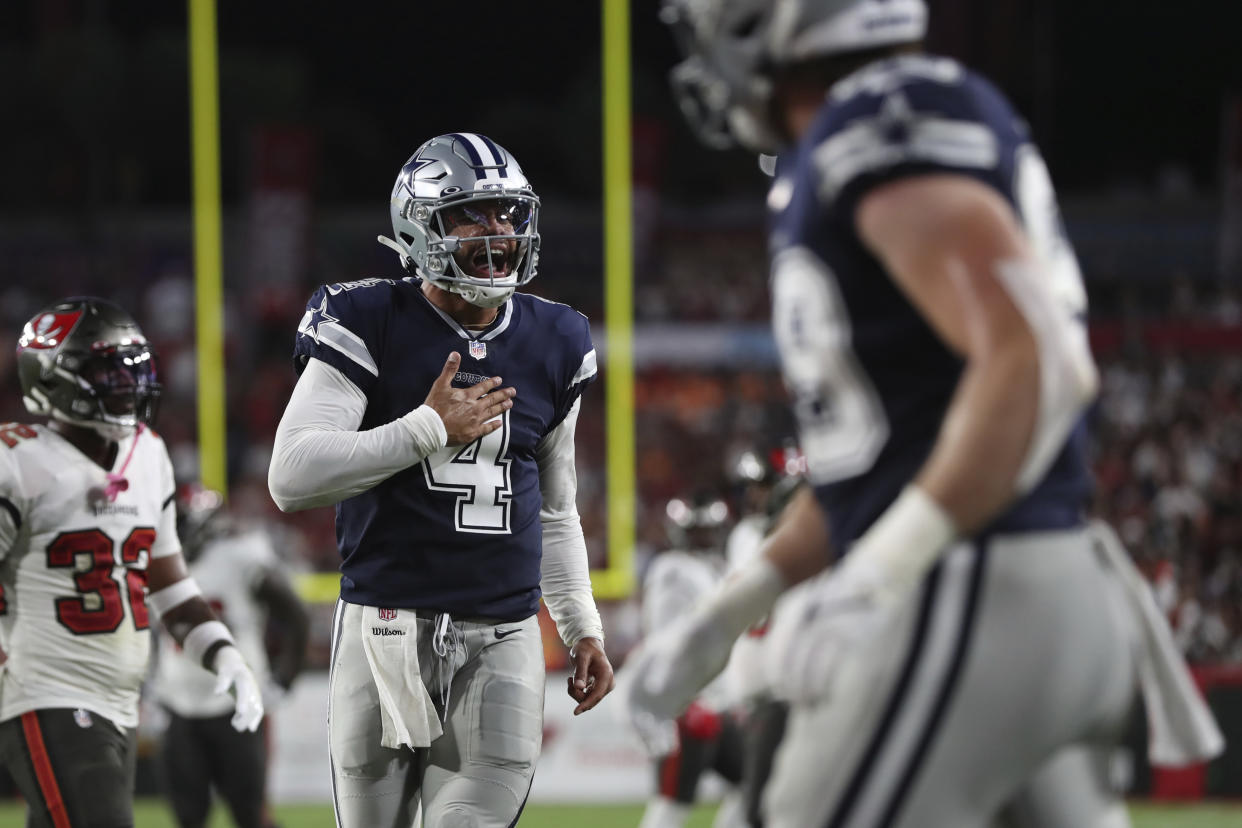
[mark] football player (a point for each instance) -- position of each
(243, 580)
(88, 551)
(437, 411)
(706, 736)
(972, 655)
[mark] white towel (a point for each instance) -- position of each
(407, 713)
(1182, 729)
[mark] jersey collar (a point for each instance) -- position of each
(497, 327)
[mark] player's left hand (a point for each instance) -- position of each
(235, 678)
(592, 678)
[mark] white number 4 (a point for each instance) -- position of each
(479, 475)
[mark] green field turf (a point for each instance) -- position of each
(154, 814)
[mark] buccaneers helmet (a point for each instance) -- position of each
(86, 362)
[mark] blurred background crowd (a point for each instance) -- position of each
(317, 119)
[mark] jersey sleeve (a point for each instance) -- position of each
(12, 503)
(166, 540)
(580, 368)
(918, 117)
(342, 326)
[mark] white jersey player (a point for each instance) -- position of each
(242, 578)
(705, 737)
(88, 552)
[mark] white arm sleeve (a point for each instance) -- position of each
(321, 458)
(566, 582)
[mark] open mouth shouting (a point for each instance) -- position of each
(491, 260)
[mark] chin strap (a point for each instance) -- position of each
(117, 482)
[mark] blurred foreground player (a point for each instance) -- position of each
(706, 737)
(455, 497)
(88, 547)
(243, 580)
(973, 655)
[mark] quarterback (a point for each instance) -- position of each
(437, 412)
(88, 555)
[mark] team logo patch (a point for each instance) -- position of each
(82, 718)
(387, 614)
(478, 350)
(48, 330)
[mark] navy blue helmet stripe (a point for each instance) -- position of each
(475, 158)
(497, 154)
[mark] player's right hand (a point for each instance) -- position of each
(468, 413)
(235, 678)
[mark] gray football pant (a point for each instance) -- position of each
(995, 701)
(479, 771)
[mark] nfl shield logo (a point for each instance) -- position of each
(82, 718)
(387, 614)
(478, 350)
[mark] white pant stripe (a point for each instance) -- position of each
(945, 626)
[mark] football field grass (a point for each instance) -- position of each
(152, 813)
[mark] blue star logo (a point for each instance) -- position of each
(895, 118)
(319, 316)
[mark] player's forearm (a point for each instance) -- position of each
(320, 457)
(798, 547)
(315, 465)
(566, 580)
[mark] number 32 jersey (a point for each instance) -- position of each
(74, 625)
(869, 379)
(458, 532)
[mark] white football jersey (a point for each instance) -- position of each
(228, 571)
(746, 672)
(73, 569)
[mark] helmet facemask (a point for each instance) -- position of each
(462, 225)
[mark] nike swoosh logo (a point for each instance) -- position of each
(503, 633)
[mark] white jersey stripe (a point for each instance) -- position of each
(343, 340)
(587, 369)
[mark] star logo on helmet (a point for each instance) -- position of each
(318, 316)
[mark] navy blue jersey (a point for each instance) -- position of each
(460, 531)
(870, 380)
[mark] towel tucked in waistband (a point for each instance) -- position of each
(1181, 727)
(407, 713)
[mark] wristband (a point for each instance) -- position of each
(173, 595)
(904, 542)
(746, 597)
(203, 638)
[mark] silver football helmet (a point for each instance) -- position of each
(465, 218)
(733, 47)
(86, 362)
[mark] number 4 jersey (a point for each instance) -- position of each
(869, 379)
(73, 563)
(460, 531)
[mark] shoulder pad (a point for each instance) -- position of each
(915, 112)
